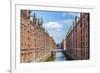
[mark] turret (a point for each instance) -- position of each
(34, 19)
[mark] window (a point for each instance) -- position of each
(28, 31)
(28, 45)
(25, 53)
(28, 53)
(34, 34)
(28, 38)
(22, 54)
(21, 27)
(35, 40)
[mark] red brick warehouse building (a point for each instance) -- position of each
(77, 38)
(35, 42)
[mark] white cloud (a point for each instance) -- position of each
(58, 30)
(55, 29)
(53, 25)
(57, 35)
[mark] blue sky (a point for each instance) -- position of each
(56, 23)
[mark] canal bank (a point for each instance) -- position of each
(44, 58)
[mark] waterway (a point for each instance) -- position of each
(57, 56)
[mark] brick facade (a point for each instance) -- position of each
(77, 38)
(35, 42)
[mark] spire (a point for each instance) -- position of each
(41, 21)
(29, 12)
(38, 21)
(34, 15)
(34, 18)
(75, 19)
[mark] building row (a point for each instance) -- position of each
(77, 40)
(35, 42)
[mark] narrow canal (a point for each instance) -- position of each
(57, 56)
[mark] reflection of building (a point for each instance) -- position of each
(36, 44)
(77, 39)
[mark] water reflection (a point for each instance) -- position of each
(57, 56)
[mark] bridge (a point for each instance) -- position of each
(58, 50)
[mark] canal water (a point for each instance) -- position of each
(57, 56)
